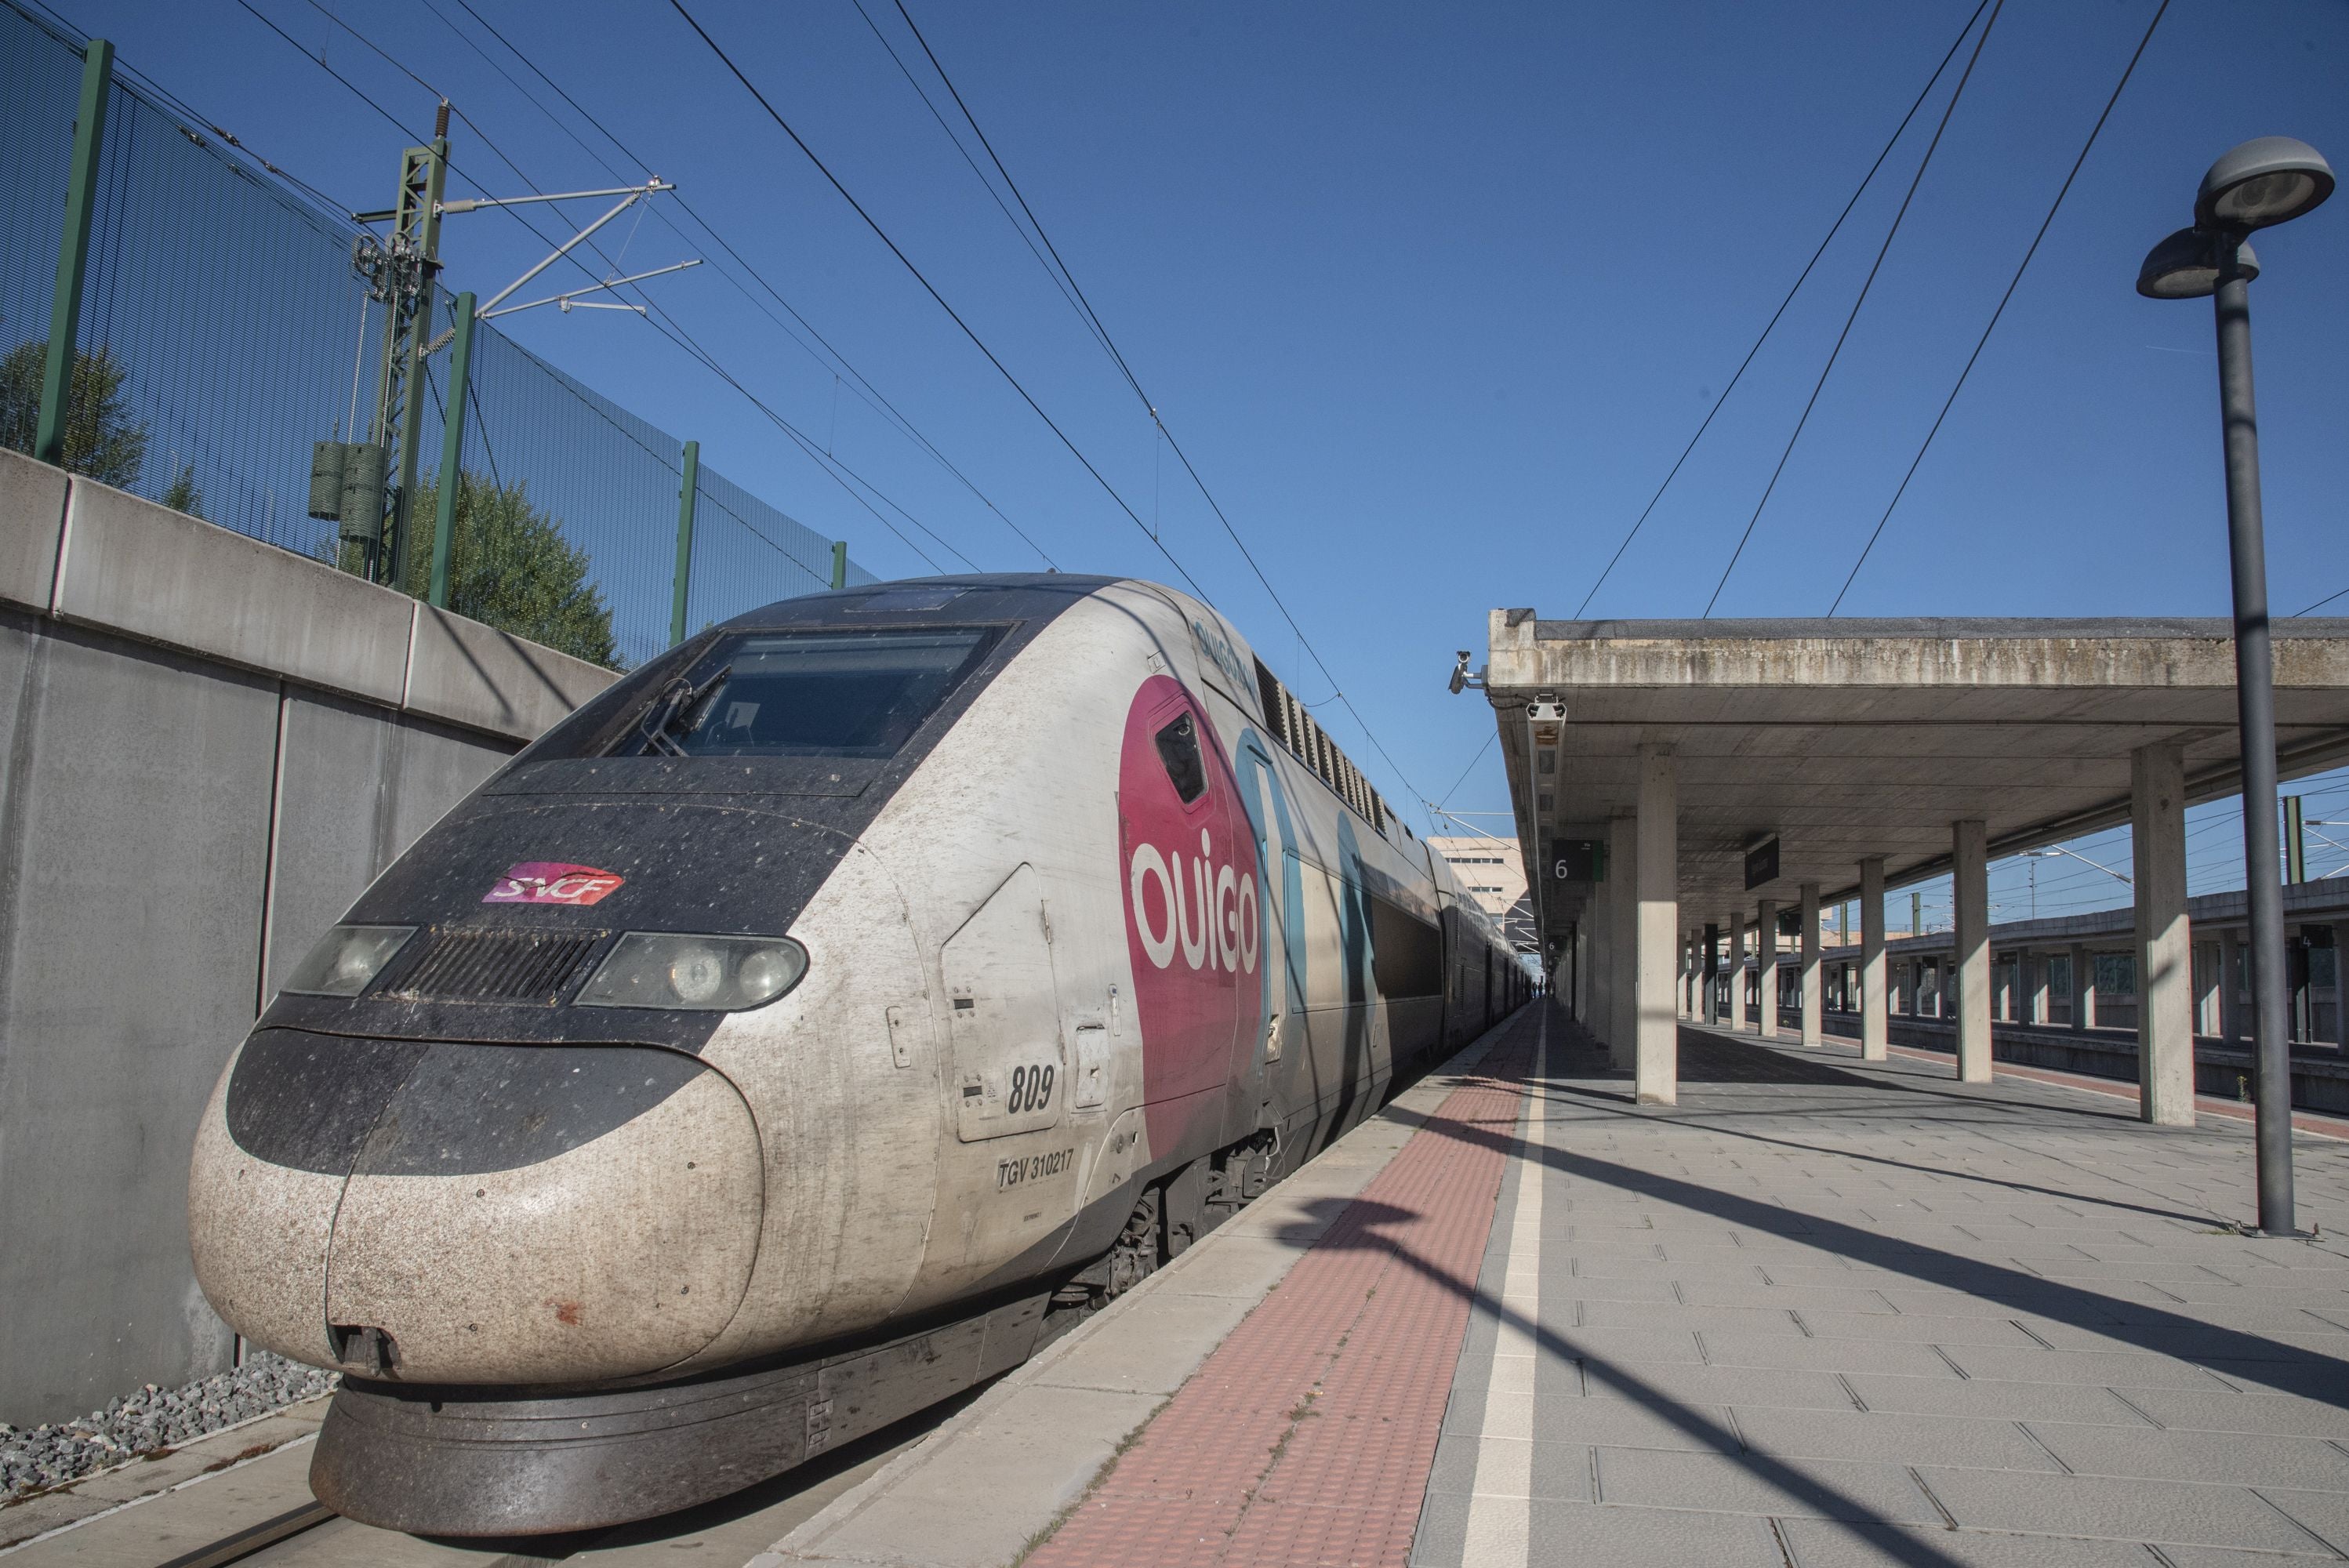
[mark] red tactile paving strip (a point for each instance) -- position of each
(1307, 1437)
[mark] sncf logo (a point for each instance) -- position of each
(1205, 907)
(550, 881)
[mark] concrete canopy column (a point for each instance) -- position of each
(2034, 988)
(1709, 968)
(1873, 1012)
(1623, 933)
(1656, 1063)
(2230, 965)
(2164, 945)
(1970, 873)
(2341, 985)
(1766, 968)
(1733, 931)
(1813, 1033)
(2084, 986)
(1598, 982)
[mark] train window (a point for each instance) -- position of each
(1178, 748)
(1406, 952)
(819, 694)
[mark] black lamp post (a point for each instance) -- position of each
(2261, 183)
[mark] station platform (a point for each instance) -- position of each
(1820, 1313)
(1817, 1314)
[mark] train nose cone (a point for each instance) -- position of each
(507, 1213)
(525, 1216)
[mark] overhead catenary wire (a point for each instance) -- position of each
(1832, 229)
(837, 364)
(2052, 208)
(1101, 334)
(772, 113)
(1869, 281)
(830, 465)
(1467, 771)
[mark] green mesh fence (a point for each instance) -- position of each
(224, 332)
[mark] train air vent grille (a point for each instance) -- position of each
(531, 967)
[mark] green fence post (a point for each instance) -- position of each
(686, 494)
(840, 564)
(453, 451)
(73, 253)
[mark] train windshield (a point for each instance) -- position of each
(816, 694)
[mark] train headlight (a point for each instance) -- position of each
(696, 973)
(346, 959)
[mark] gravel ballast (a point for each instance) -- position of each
(33, 1459)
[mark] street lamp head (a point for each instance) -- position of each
(2186, 265)
(2271, 180)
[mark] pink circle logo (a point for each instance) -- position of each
(1194, 910)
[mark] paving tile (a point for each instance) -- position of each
(2106, 1368)
(2229, 1411)
(2326, 1380)
(2240, 1459)
(1651, 1315)
(1788, 1298)
(2112, 1508)
(2229, 1557)
(2326, 1513)
(1661, 1384)
(1761, 1483)
(1582, 1535)
(1824, 1354)
(1622, 1345)
(1916, 1328)
(1996, 1400)
(1877, 1436)
(1835, 1544)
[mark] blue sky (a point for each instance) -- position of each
(1432, 295)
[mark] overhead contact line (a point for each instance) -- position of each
(2012, 284)
(882, 235)
(1832, 229)
(1841, 337)
(1075, 291)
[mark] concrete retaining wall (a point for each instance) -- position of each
(209, 747)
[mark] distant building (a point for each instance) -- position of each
(1491, 869)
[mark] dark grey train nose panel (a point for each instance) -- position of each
(317, 1102)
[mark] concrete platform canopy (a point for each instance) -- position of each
(1674, 776)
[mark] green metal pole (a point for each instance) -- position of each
(453, 451)
(2295, 843)
(840, 564)
(685, 495)
(73, 253)
(433, 173)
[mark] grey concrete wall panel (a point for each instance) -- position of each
(469, 673)
(138, 826)
(332, 788)
(135, 567)
(32, 510)
(433, 769)
(147, 663)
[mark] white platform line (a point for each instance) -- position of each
(1500, 1510)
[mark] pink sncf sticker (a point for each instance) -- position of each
(552, 881)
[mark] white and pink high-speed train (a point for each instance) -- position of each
(789, 1036)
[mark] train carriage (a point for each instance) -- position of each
(805, 1029)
